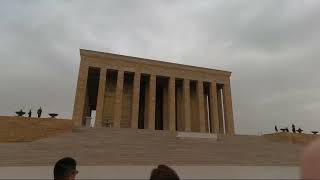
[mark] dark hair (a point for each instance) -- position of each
(163, 172)
(64, 167)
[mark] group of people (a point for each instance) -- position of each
(39, 112)
(287, 129)
(66, 169)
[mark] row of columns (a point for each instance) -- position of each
(216, 114)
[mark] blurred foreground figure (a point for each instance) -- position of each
(310, 163)
(163, 172)
(65, 169)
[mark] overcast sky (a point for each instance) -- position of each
(271, 46)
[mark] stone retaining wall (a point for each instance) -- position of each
(22, 129)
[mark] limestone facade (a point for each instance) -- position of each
(130, 92)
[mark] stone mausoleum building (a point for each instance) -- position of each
(131, 92)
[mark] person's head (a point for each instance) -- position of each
(163, 172)
(65, 169)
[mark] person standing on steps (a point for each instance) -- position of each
(30, 113)
(39, 112)
(293, 128)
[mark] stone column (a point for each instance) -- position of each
(186, 103)
(81, 93)
(214, 108)
(100, 99)
(135, 100)
(172, 104)
(228, 112)
(118, 100)
(152, 102)
(220, 113)
(201, 109)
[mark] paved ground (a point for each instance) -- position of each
(105, 146)
(143, 172)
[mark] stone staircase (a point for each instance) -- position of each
(111, 146)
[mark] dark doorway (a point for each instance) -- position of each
(142, 100)
(179, 105)
(207, 107)
(91, 93)
(159, 103)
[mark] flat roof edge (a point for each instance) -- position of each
(92, 53)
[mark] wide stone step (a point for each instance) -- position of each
(112, 146)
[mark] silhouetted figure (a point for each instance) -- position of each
(293, 128)
(30, 113)
(276, 128)
(314, 132)
(163, 172)
(299, 130)
(39, 112)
